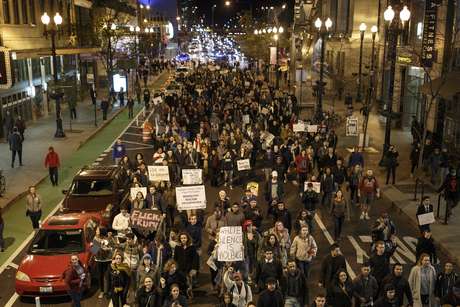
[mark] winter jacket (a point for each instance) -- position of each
(72, 279)
(401, 286)
(52, 159)
(270, 299)
(310, 200)
(119, 278)
(187, 258)
(365, 291)
(329, 268)
(181, 300)
(118, 151)
(240, 297)
(415, 285)
(234, 219)
(147, 299)
(15, 141)
(132, 255)
(303, 249)
(294, 285)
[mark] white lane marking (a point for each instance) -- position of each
(99, 159)
(360, 253)
(135, 134)
(15, 296)
(110, 303)
(328, 236)
(137, 143)
(12, 300)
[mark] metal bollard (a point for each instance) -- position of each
(37, 301)
(415, 190)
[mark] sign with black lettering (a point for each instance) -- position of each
(230, 244)
(429, 32)
(145, 221)
(191, 197)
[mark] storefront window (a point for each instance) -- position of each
(36, 72)
(20, 70)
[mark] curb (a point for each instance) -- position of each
(92, 135)
(440, 246)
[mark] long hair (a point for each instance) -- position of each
(189, 238)
(169, 264)
(423, 255)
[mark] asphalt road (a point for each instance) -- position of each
(354, 245)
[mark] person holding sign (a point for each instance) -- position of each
(138, 202)
(424, 208)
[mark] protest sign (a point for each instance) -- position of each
(316, 186)
(133, 192)
(243, 165)
(427, 218)
(230, 244)
(312, 128)
(264, 111)
(191, 197)
(253, 187)
(192, 176)
(247, 83)
(299, 127)
(246, 119)
(351, 128)
(158, 172)
(145, 221)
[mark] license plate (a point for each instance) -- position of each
(46, 289)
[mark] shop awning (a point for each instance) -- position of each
(446, 86)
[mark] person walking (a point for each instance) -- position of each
(148, 295)
(105, 108)
(119, 278)
(303, 250)
(293, 285)
(15, 141)
(52, 163)
(118, 151)
(121, 97)
(451, 189)
(75, 279)
(8, 124)
(331, 265)
(34, 207)
(340, 292)
(20, 123)
(391, 163)
(368, 191)
(400, 284)
(445, 282)
(338, 209)
(365, 287)
(422, 281)
(130, 105)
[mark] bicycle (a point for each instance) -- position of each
(2, 183)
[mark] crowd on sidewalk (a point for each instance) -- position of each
(219, 118)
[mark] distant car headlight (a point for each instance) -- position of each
(22, 276)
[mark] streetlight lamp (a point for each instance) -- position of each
(395, 27)
(57, 19)
(227, 3)
(322, 31)
(362, 29)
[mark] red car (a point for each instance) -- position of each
(40, 272)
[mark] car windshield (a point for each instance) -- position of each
(92, 187)
(57, 242)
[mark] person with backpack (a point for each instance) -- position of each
(240, 291)
(451, 189)
(368, 191)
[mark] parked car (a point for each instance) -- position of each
(40, 272)
(94, 188)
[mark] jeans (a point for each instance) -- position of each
(291, 302)
(130, 112)
(35, 218)
(76, 297)
(13, 157)
(338, 223)
(304, 266)
(118, 299)
(101, 274)
(73, 113)
(391, 171)
(228, 177)
(354, 199)
(53, 171)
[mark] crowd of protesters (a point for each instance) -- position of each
(229, 114)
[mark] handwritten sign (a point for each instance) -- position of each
(243, 165)
(253, 187)
(351, 128)
(427, 218)
(312, 128)
(246, 119)
(145, 221)
(299, 127)
(192, 176)
(134, 191)
(230, 244)
(191, 197)
(316, 186)
(158, 172)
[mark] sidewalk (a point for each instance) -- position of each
(402, 193)
(39, 135)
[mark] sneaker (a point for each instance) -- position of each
(101, 295)
(361, 217)
(366, 216)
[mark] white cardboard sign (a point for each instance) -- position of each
(316, 186)
(312, 128)
(191, 197)
(243, 165)
(158, 172)
(246, 119)
(192, 176)
(230, 244)
(133, 192)
(427, 218)
(299, 127)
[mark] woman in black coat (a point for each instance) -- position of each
(186, 255)
(340, 293)
(425, 244)
(175, 298)
(147, 295)
(170, 276)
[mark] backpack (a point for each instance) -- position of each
(245, 289)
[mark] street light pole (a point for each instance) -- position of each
(393, 31)
(362, 29)
(322, 33)
(57, 19)
(212, 15)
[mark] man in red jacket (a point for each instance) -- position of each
(52, 163)
(74, 277)
(302, 163)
